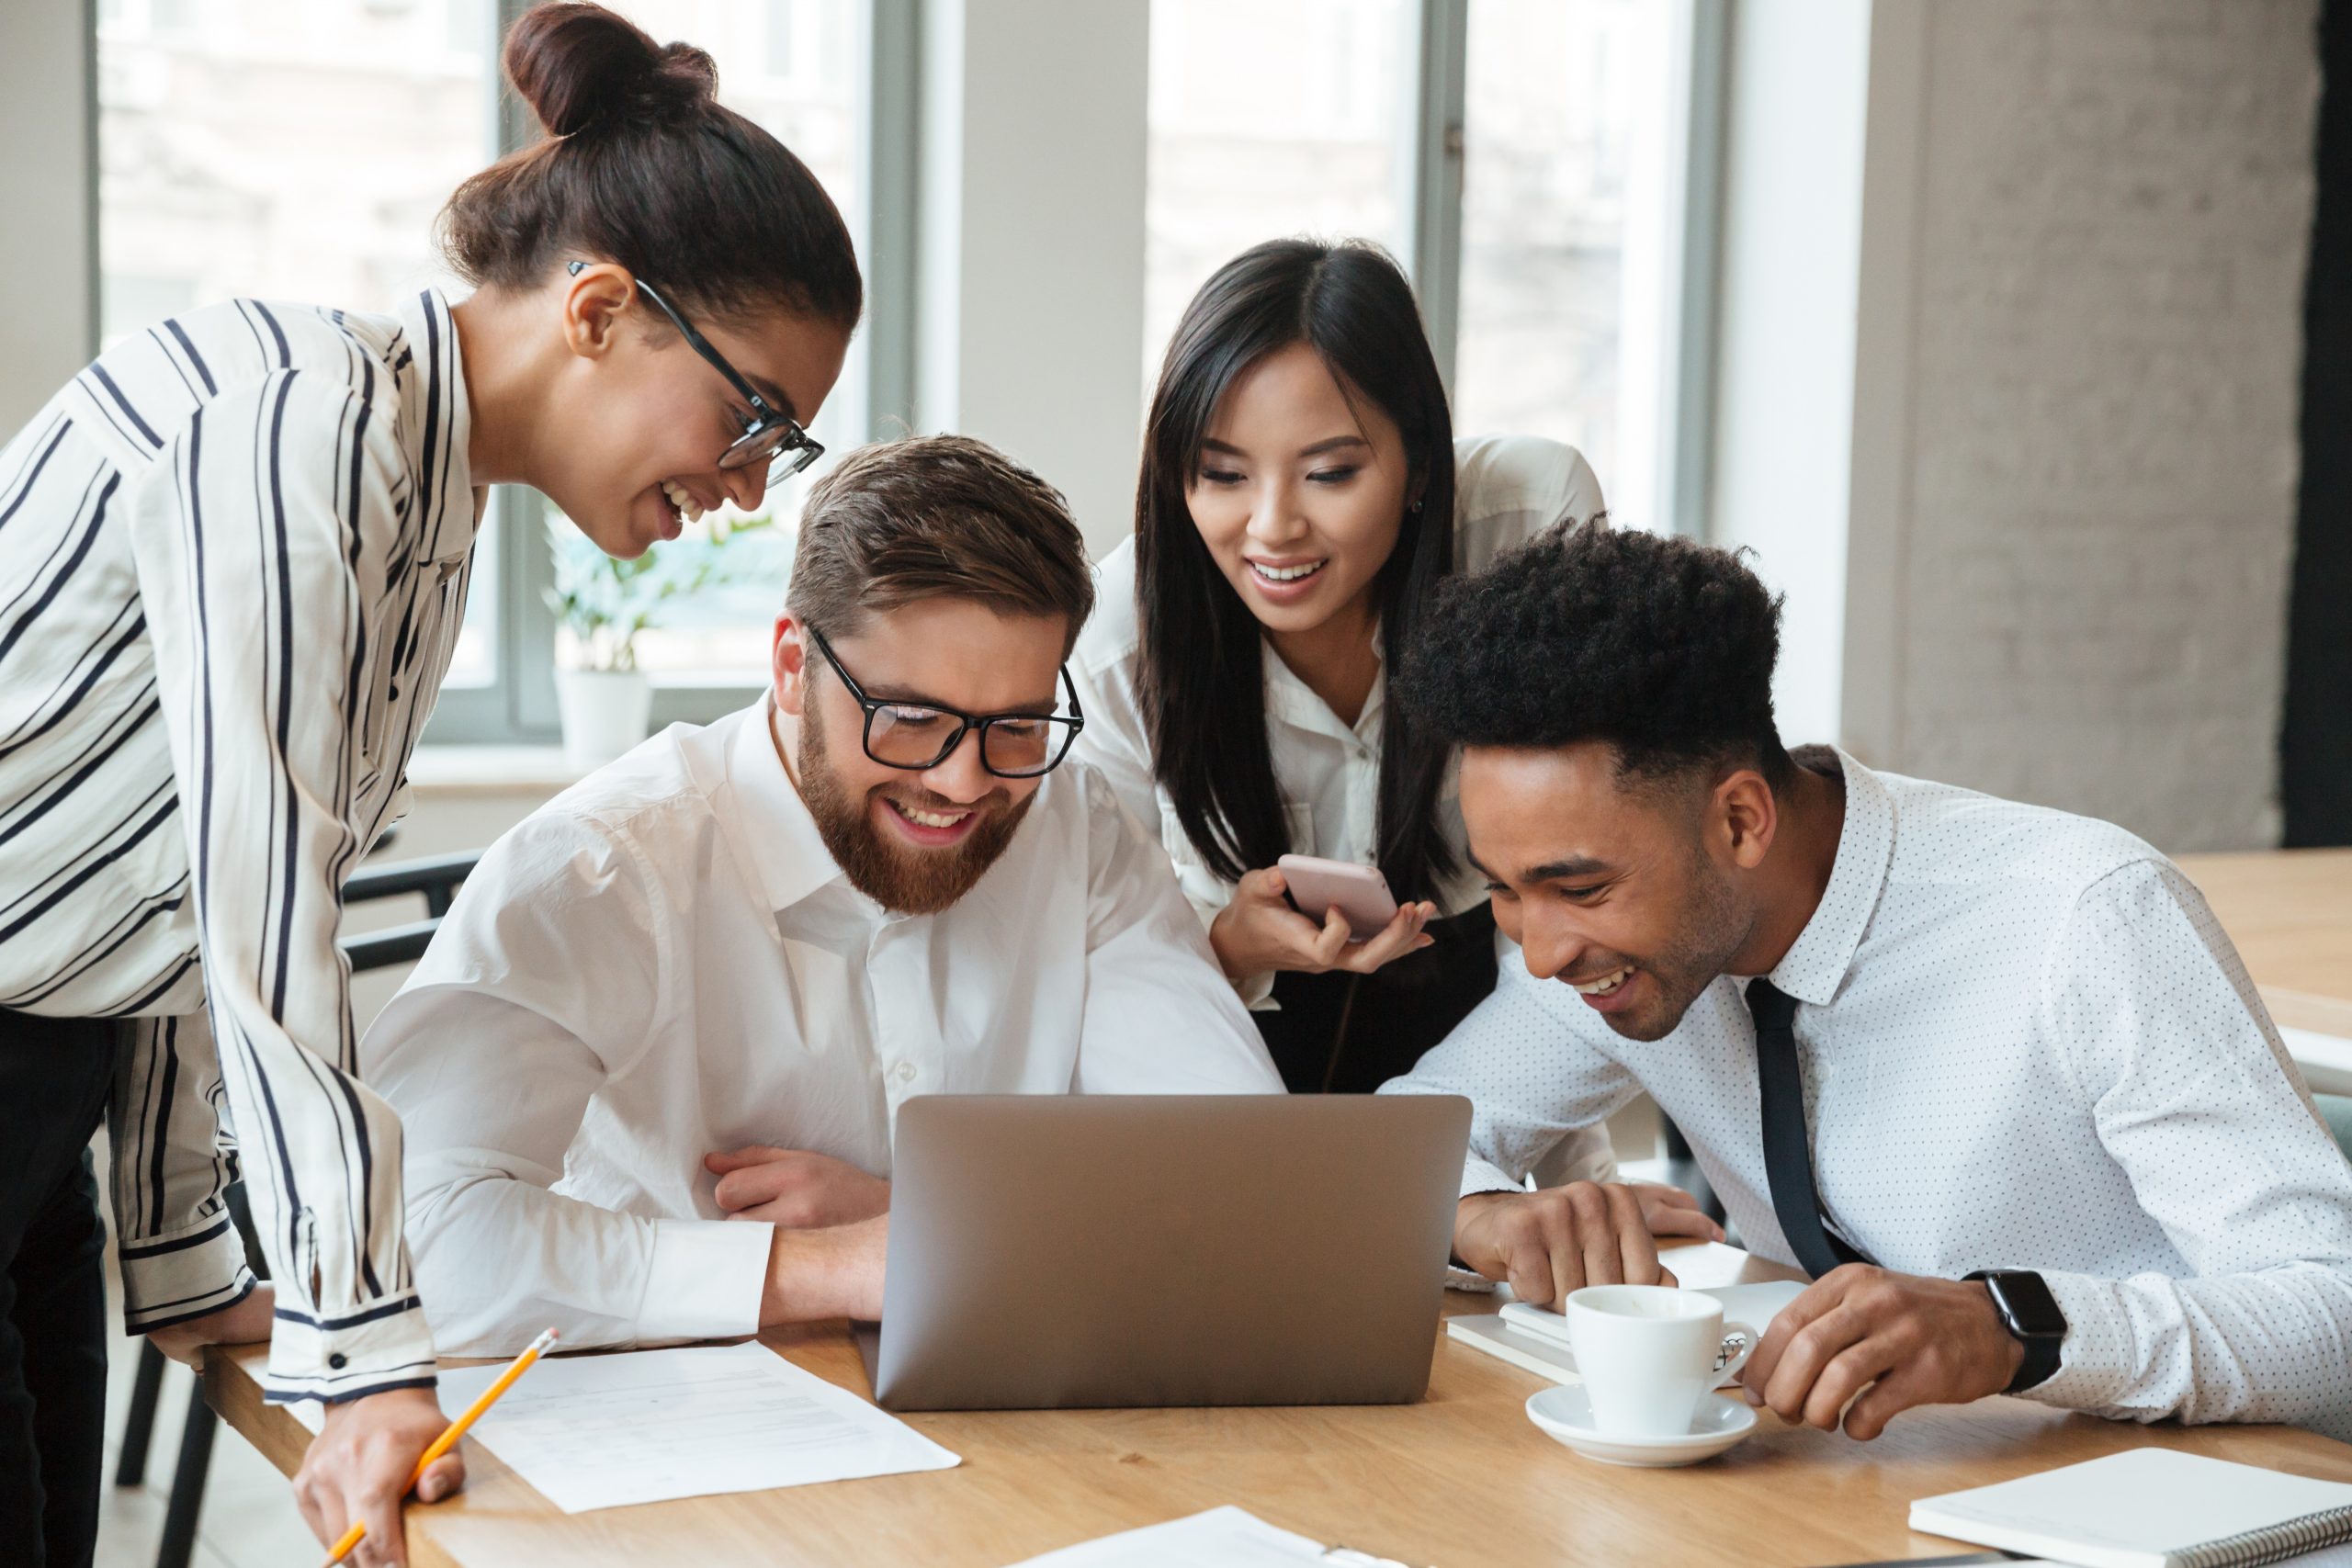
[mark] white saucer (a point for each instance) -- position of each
(1566, 1413)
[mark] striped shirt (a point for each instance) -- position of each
(233, 557)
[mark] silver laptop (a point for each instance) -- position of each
(1050, 1251)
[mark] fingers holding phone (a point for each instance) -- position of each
(1260, 930)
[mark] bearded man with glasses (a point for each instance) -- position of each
(649, 1068)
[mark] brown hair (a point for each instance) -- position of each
(935, 517)
(643, 166)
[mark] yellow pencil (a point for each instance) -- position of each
(449, 1440)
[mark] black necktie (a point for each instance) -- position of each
(1788, 1147)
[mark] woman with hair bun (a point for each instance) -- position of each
(235, 562)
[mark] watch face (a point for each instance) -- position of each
(2026, 1300)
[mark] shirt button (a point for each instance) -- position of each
(338, 1360)
(905, 1073)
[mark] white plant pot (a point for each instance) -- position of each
(604, 713)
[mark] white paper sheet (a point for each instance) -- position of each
(647, 1425)
(1222, 1537)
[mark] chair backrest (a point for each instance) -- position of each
(436, 879)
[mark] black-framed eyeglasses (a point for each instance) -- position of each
(916, 736)
(771, 437)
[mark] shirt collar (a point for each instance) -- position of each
(1816, 965)
(436, 420)
(1290, 700)
(771, 822)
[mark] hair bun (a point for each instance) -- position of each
(578, 64)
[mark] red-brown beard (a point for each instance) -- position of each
(899, 877)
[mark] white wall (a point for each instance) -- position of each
(47, 234)
(1784, 364)
(2008, 388)
(2090, 480)
(1030, 267)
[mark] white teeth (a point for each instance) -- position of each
(1286, 573)
(683, 499)
(1606, 984)
(933, 818)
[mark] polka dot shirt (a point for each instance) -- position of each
(2027, 1045)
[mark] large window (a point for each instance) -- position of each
(1267, 120)
(1561, 329)
(792, 67)
(1551, 282)
(293, 150)
(1529, 162)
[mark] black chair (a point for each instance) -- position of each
(436, 880)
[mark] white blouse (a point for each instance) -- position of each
(232, 575)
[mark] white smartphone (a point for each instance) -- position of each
(1359, 892)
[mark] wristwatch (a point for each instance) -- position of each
(2031, 1314)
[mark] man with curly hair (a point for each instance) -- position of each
(1991, 1072)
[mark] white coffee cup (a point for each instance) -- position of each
(1649, 1353)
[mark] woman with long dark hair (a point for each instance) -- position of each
(234, 567)
(1302, 494)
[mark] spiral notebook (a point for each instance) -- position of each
(2148, 1508)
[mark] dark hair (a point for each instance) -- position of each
(936, 517)
(1662, 647)
(1202, 679)
(643, 166)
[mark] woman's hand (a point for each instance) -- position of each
(1259, 931)
(245, 1323)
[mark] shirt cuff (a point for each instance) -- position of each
(1258, 993)
(182, 1274)
(705, 1279)
(380, 1347)
(2098, 1360)
(1481, 1176)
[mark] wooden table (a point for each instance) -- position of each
(1462, 1478)
(2289, 912)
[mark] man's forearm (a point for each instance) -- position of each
(2246, 1347)
(834, 1272)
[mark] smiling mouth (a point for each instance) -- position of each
(929, 825)
(1606, 984)
(1281, 576)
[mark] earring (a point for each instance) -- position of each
(1415, 507)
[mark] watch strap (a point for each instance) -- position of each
(2041, 1357)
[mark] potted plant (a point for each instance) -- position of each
(605, 699)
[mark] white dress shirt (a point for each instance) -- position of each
(2027, 1045)
(233, 556)
(664, 962)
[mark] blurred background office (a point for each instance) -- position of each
(2014, 335)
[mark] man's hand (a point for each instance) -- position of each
(796, 1188)
(826, 1273)
(1669, 1211)
(1905, 1339)
(1547, 1244)
(358, 1469)
(246, 1323)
